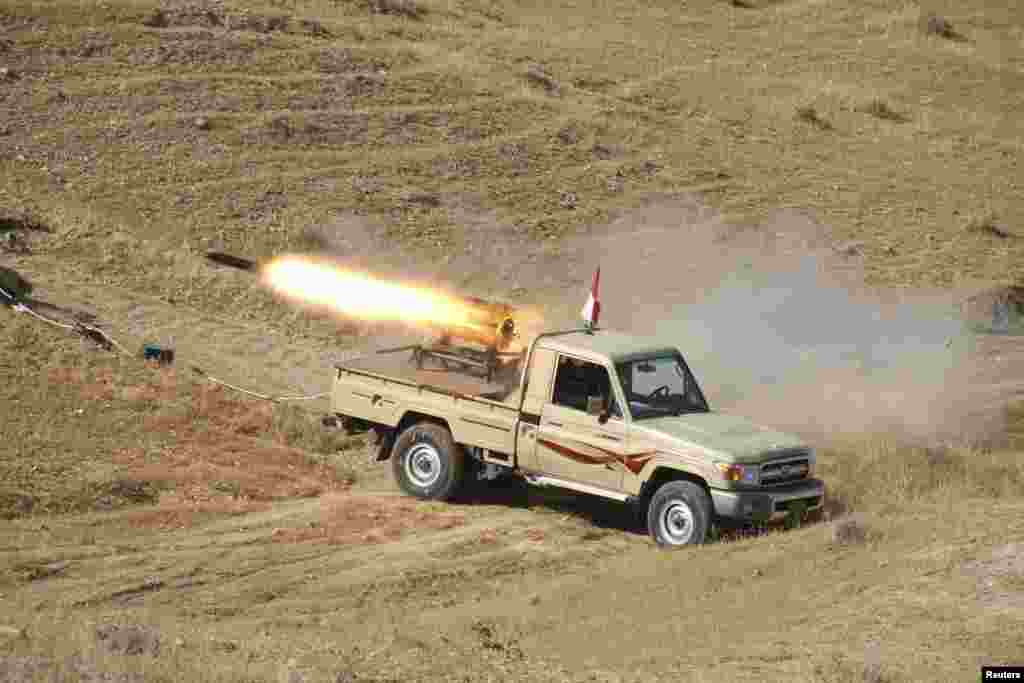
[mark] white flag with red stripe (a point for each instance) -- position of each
(592, 309)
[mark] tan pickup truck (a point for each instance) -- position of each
(593, 411)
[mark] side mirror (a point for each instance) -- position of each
(595, 405)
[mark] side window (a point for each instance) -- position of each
(576, 379)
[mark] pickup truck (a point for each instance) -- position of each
(590, 410)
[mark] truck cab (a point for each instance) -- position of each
(601, 413)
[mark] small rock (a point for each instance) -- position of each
(152, 583)
(158, 19)
(128, 640)
(179, 642)
(23, 503)
(427, 199)
(850, 248)
(535, 74)
(649, 168)
(614, 184)
(602, 152)
(50, 569)
(848, 531)
(568, 136)
(12, 632)
(939, 26)
(202, 123)
(314, 28)
(367, 185)
(289, 674)
(567, 200)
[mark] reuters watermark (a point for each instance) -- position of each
(1002, 673)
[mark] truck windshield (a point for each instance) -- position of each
(660, 386)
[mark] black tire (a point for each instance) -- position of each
(427, 463)
(679, 514)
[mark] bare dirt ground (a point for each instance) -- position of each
(801, 195)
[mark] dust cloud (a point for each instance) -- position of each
(778, 327)
(775, 322)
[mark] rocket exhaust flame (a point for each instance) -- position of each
(324, 285)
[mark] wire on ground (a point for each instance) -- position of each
(265, 397)
(108, 342)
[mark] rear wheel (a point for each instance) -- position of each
(427, 463)
(679, 513)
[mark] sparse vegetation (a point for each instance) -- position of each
(880, 109)
(402, 8)
(937, 25)
(535, 74)
(132, 138)
(809, 114)
(98, 431)
(848, 531)
(866, 476)
(987, 223)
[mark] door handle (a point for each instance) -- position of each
(609, 437)
(554, 424)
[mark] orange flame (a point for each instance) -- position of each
(325, 285)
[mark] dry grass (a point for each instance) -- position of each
(881, 109)
(988, 224)
(89, 430)
(395, 99)
(873, 475)
(809, 114)
(226, 564)
(935, 25)
(316, 109)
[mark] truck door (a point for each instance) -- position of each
(574, 444)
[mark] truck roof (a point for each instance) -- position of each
(615, 346)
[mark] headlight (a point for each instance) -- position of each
(746, 474)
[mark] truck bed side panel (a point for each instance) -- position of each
(473, 421)
(365, 397)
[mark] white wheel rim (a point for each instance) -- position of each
(423, 465)
(676, 523)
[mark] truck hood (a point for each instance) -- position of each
(730, 438)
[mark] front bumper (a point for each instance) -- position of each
(771, 504)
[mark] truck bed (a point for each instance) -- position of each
(400, 366)
(380, 390)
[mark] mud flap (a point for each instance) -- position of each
(795, 514)
(380, 443)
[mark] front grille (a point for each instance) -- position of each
(785, 470)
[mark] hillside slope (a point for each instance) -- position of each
(476, 144)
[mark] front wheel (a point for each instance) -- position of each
(679, 514)
(427, 462)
